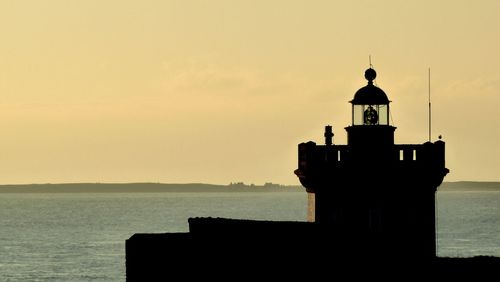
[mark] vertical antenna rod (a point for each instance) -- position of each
(430, 117)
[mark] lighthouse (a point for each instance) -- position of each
(372, 212)
(373, 193)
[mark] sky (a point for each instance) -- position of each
(224, 91)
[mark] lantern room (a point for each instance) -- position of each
(370, 105)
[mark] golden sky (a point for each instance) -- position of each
(220, 91)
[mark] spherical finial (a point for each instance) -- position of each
(370, 75)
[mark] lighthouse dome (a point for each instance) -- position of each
(370, 94)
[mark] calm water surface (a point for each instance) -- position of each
(468, 223)
(81, 237)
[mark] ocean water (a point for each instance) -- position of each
(81, 237)
(468, 223)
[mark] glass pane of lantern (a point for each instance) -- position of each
(358, 114)
(383, 114)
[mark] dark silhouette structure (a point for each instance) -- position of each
(372, 214)
(372, 189)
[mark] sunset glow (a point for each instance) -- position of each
(223, 91)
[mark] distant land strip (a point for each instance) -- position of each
(470, 186)
(145, 188)
(202, 187)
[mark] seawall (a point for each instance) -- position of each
(230, 249)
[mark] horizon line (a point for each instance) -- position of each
(201, 183)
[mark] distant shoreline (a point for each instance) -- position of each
(470, 186)
(144, 188)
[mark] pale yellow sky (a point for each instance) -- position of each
(221, 91)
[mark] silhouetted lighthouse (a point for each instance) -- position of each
(371, 192)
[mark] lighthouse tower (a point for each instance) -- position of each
(372, 193)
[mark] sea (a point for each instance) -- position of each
(81, 236)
